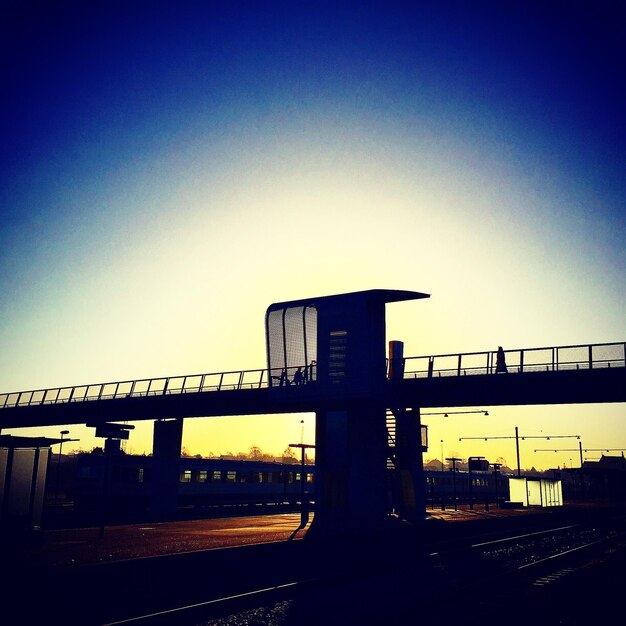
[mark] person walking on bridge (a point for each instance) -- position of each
(500, 362)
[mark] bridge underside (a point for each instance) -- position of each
(565, 387)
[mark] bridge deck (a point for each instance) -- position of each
(448, 380)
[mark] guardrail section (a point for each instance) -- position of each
(592, 356)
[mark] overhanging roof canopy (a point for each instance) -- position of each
(376, 295)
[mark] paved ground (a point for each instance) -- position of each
(83, 546)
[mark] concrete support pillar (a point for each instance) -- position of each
(411, 499)
(351, 473)
(166, 449)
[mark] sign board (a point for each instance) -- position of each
(111, 431)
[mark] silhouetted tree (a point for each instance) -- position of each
(255, 454)
(289, 455)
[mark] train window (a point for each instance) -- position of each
(231, 477)
(140, 475)
(217, 475)
(185, 476)
(202, 476)
(309, 478)
(298, 475)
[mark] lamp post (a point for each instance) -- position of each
(56, 490)
(442, 455)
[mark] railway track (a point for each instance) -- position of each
(468, 576)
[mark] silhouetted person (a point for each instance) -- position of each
(308, 376)
(500, 362)
(298, 378)
(284, 380)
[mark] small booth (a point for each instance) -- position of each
(23, 465)
(541, 492)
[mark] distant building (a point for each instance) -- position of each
(604, 479)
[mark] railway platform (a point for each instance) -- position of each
(67, 548)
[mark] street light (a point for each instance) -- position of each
(56, 491)
(442, 455)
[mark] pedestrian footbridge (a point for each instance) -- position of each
(327, 356)
(430, 372)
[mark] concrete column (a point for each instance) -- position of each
(351, 472)
(166, 449)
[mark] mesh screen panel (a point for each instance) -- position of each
(294, 337)
(310, 328)
(276, 340)
(292, 343)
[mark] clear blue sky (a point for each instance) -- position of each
(170, 169)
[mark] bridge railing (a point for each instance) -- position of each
(552, 359)
(191, 383)
(561, 358)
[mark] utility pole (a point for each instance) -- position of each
(56, 490)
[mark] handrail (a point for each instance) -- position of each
(167, 385)
(521, 360)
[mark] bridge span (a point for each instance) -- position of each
(327, 355)
(584, 373)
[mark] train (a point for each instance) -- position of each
(220, 485)
(203, 484)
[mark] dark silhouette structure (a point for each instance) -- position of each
(334, 349)
(345, 336)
